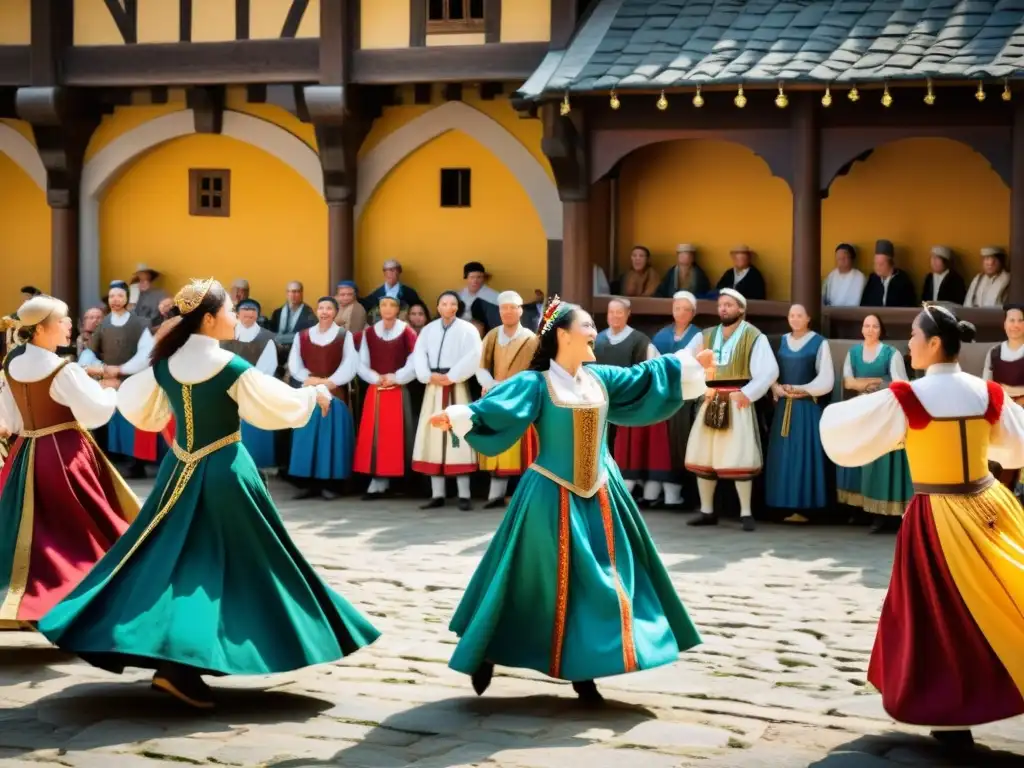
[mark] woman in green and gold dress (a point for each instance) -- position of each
(572, 584)
(206, 581)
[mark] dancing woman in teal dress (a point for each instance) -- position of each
(206, 580)
(572, 585)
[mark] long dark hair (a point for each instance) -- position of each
(188, 324)
(548, 346)
(936, 320)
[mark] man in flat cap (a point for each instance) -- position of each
(725, 442)
(990, 286)
(686, 275)
(844, 285)
(393, 287)
(507, 350)
(943, 283)
(147, 306)
(744, 277)
(888, 286)
(476, 277)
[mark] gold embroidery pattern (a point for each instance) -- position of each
(562, 585)
(585, 447)
(47, 431)
(186, 401)
(625, 609)
(23, 544)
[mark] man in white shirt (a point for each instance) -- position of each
(476, 278)
(507, 350)
(844, 285)
(447, 354)
(990, 286)
(322, 449)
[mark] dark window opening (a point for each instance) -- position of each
(444, 16)
(209, 192)
(455, 187)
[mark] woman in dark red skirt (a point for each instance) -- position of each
(62, 504)
(949, 653)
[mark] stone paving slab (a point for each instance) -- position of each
(787, 615)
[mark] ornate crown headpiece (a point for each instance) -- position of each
(192, 295)
(554, 310)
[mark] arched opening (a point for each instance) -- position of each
(24, 218)
(403, 218)
(276, 231)
(710, 193)
(917, 192)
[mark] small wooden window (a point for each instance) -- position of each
(455, 187)
(447, 16)
(209, 192)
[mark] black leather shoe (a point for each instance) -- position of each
(372, 496)
(482, 677)
(497, 503)
(465, 504)
(329, 495)
(749, 524)
(587, 691)
(702, 520)
(957, 741)
(433, 504)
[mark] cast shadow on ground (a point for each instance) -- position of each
(895, 749)
(471, 730)
(92, 715)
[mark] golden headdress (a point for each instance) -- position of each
(192, 295)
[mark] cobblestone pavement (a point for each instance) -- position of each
(787, 615)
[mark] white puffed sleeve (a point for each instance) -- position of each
(91, 404)
(268, 403)
(420, 361)
(898, 368)
(470, 348)
(140, 359)
(1006, 444)
(825, 379)
(349, 366)
(10, 416)
(267, 362)
(693, 376)
(143, 403)
(862, 429)
(764, 369)
(366, 372)
(296, 368)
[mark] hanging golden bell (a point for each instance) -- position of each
(662, 102)
(614, 102)
(1006, 95)
(854, 94)
(740, 100)
(980, 93)
(566, 107)
(929, 98)
(826, 100)
(698, 100)
(886, 97)
(782, 100)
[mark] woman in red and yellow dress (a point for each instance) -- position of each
(948, 653)
(62, 504)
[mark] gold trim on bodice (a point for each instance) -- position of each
(46, 431)
(586, 493)
(586, 442)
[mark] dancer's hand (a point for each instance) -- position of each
(4, 433)
(111, 371)
(95, 371)
(778, 392)
(741, 400)
(709, 393)
(706, 358)
(437, 378)
(441, 421)
(387, 381)
(323, 399)
(110, 383)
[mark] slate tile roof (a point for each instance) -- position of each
(638, 44)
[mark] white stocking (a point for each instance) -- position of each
(462, 481)
(437, 487)
(744, 489)
(673, 493)
(706, 488)
(498, 487)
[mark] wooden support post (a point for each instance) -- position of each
(565, 144)
(1016, 293)
(805, 279)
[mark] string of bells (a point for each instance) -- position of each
(782, 100)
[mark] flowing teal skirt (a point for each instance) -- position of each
(886, 486)
(571, 587)
(217, 585)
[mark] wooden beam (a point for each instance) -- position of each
(241, 19)
(52, 30)
(563, 23)
(256, 93)
(335, 42)
(15, 65)
(417, 23)
(452, 91)
(158, 94)
(207, 105)
(490, 91)
(423, 93)
(125, 17)
(294, 17)
(185, 21)
(233, 62)
(805, 278)
(355, 23)
(492, 21)
(457, 63)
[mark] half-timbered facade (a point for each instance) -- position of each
(313, 139)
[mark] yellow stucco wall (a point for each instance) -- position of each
(404, 220)
(15, 22)
(525, 21)
(713, 194)
(277, 230)
(266, 18)
(95, 26)
(384, 24)
(25, 243)
(469, 38)
(157, 21)
(213, 20)
(918, 193)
